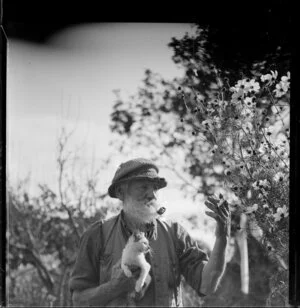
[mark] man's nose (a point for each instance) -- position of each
(152, 194)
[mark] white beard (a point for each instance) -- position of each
(141, 213)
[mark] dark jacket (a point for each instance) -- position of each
(175, 253)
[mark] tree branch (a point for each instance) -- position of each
(61, 164)
(36, 261)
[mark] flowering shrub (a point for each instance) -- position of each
(230, 138)
(247, 128)
(249, 138)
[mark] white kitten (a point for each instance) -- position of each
(134, 254)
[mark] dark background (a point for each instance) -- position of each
(247, 29)
(240, 32)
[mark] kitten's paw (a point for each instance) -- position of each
(127, 272)
(139, 286)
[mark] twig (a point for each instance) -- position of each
(269, 143)
(61, 164)
(42, 270)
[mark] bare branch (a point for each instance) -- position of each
(61, 164)
(36, 261)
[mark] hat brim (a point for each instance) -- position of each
(161, 183)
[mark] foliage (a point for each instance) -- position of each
(248, 136)
(2, 221)
(216, 133)
(44, 232)
(236, 141)
(239, 40)
(26, 288)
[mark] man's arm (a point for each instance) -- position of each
(106, 292)
(98, 296)
(215, 267)
(101, 295)
(84, 280)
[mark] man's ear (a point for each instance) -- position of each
(119, 192)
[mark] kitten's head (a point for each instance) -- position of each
(139, 242)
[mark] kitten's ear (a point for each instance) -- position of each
(141, 234)
(135, 235)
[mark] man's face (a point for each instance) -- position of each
(140, 199)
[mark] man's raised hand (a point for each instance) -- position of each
(221, 213)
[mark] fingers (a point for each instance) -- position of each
(212, 214)
(224, 219)
(213, 200)
(224, 209)
(226, 205)
(211, 206)
(215, 207)
(224, 214)
(217, 202)
(220, 209)
(212, 203)
(220, 216)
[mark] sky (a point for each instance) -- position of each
(69, 81)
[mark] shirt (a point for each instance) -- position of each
(175, 254)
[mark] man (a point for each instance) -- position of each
(97, 278)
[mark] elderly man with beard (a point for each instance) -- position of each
(97, 278)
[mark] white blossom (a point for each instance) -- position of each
(207, 124)
(227, 172)
(283, 86)
(237, 95)
(249, 102)
(247, 126)
(279, 176)
(269, 78)
(261, 184)
(251, 209)
(286, 78)
(246, 86)
(282, 212)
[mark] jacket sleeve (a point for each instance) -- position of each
(191, 258)
(85, 272)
